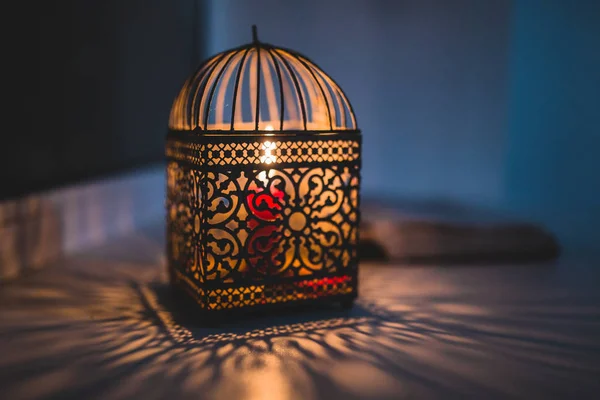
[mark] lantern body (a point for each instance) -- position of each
(268, 215)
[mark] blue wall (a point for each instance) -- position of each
(427, 79)
(490, 103)
(553, 162)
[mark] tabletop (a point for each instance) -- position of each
(102, 324)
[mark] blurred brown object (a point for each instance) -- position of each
(30, 234)
(448, 233)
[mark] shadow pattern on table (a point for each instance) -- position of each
(108, 328)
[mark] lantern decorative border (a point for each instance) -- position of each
(263, 217)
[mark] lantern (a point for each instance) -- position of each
(263, 171)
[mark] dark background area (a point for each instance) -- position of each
(492, 104)
(96, 80)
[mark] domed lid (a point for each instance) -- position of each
(259, 87)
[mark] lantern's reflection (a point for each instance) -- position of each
(105, 326)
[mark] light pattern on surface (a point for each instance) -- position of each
(103, 325)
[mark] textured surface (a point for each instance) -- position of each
(102, 325)
(37, 229)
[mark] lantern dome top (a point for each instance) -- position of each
(260, 87)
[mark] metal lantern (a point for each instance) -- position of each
(263, 182)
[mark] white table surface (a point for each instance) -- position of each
(101, 325)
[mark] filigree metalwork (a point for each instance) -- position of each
(256, 153)
(263, 182)
(261, 235)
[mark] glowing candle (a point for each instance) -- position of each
(265, 203)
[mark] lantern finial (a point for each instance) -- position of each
(254, 34)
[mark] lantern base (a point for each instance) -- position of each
(347, 303)
(247, 295)
(188, 310)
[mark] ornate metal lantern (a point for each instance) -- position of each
(263, 182)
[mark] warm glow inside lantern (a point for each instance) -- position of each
(263, 182)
